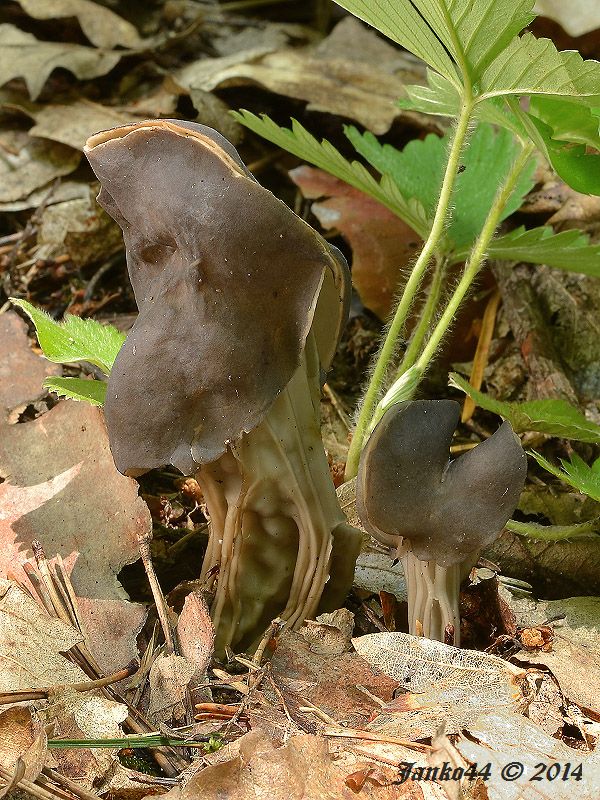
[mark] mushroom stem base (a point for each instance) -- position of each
(279, 545)
(433, 595)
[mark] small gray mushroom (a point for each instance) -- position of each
(438, 514)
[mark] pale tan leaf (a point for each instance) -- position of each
(24, 56)
(31, 644)
(170, 678)
(110, 629)
(196, 633)
(28, 163)
(444, 683)
(523, 750)
(72, 124)
(22, 736)
(102, 26)
(575, 655)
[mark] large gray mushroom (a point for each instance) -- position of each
(240, 307)
(438, 514)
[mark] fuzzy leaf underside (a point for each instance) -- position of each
(432, 29)
(75, 339)
(568, 250)
(552, 417)
(576, 473)
(324, 155)
(88, 391)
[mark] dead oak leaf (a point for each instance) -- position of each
(102, 26)
(169, 679)
(24, 56)
(195, 633)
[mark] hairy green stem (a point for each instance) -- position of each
(420, 332)
(555, 533)
(390, 343)
(476, 259)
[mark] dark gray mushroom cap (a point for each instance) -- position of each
(227, 279)
(407, 487)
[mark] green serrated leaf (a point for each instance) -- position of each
(473, 32)
(578, 474)
(402, 22)
(534, 66)
(552, 417)
(418, 172)
(324, 155)
(88, 391)
(74, 339)
(568, 250)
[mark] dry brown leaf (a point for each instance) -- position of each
(31, 648)
(575, 655)
(28, 163)
(353, 73)
(300, 770)
(510, 739)
(22, 736)
(195, 633)
(576, 17)
(72, 124)
(170, 678)
(328, 682)
(51, 193)
(382, 244)
(444, 683)
(110, 629)
(80, 229)
(102, 26)
(330, 634)
(62, 489)
(24, 56)
(61, 486)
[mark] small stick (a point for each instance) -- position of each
(73, 787)
(372, 696)
(318, 712)
(86, 686)
(482, 352)
(348, 733)
(159, 598)
(227, 679)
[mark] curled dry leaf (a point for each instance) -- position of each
(443, 683)
(102, 26)
(62, 487)
(29, 163)
(382, 244)
(195, 633)
(330, 634)
(510, 739)
(353, 73)
(24, 56)
(22, 736)
(170, 678)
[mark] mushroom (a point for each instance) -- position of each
(241, 304)
(438, 514)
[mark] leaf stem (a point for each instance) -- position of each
(555, 533)
(477, 257)
(390, 343)
(426, 316)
